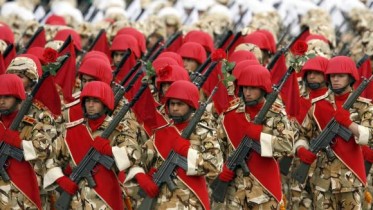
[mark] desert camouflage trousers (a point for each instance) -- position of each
(331, 201)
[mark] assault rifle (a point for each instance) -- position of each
(85, 168)
(32, 39)
(119, 90)
(283, 50)
(362, 60)
(200, 68)
(122, 61)
(165, 172)
(247, 145)
(330, 131)
(8, 151)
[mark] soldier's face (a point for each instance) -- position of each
(339, 80)
(315, 77)
(190, 64)
(164, 87)
(251, 93)
(177, 107)
(93, 105)
(27, 83)
(117, 56)
(7, 102)
(86, 78)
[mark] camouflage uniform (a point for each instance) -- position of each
(38, 129)
(333, 183)
(209, 162)
(245, 192)
(124, 137)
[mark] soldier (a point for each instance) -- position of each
(193, 55)
(94, 67)
(262, 188)
(166, 76)
(96, 100)
(28, 68)
(313, 77)
(339, 175)
(32, 136)
(202, 151)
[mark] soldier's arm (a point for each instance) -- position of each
(277, 137)
(39, 137)
(125, 145)
(362, 126)
(307, 130)
(205, 156)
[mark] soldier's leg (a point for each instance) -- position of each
(349, 200)
(300, 200)
(324, 200)
(272, 204)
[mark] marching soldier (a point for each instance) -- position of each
(262, 188)
(202, 151)
(313, 77)
(28, 68)
(339, 175)
(96, 100)
(22, 191)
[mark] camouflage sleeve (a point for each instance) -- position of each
(307, 131)
(38, 133)
(126, 144)
(205, 156)
(361, 113)
(57, 162)
(280, 138)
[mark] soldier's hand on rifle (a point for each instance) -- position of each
(306, 156)
(226, 175)
(367, 153)
(253, 131)
(12, 138)
(67, 185)
(147, 184)
(342, 116)
(181, 146)
(102, 146)
(152, 171)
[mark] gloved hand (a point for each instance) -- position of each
(342, 116)
(67, 185)
(12, 138)
(152, 171)
(226, 175)
(367, 153)
(306, 156)
(102, 146)
(181, 146)
(253, 131)
(147, 184)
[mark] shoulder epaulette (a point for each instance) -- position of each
(72, 104)
(233, 104)
(277, 106)
(76, 95)
(205, 126)
(29, 120)
(160, 127)
(364, 100)
(314, 100)
(37, 104)
(74, 123)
